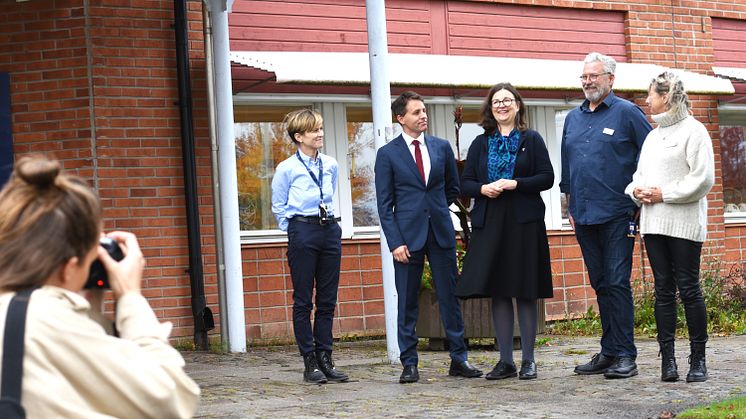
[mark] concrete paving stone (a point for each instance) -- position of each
(267, 382)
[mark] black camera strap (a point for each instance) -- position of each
(13, 349)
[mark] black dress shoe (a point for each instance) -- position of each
(409, 375)
(597, 365)
(312, 374)
(624, 367)
(528, 370)
(463, 369)
(501, 370)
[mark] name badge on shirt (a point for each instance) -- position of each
(608, 131)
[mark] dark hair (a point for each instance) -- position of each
(399, 105)
(46, 218)
(489, 123)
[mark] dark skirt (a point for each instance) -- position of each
(506, 258)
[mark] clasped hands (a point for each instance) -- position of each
(494, 189)
(648, 194)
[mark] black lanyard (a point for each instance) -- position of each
(320, 179)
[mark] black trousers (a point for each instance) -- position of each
(675, 264)
(314, 255)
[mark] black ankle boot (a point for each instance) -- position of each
(697, 367)
(669, 372)
(312, 374)
(327, 367)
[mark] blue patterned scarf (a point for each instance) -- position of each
(501, 153)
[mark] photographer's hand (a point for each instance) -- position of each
(126, 275)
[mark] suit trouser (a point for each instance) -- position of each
(607, 252)
(675, 264)
(408, 278)
(314, 254)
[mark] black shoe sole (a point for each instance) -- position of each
(526, 377)
(603, 371)
(671, 379)
(456, 374)
(614, 375)
(500, 377)
(408, 381)
(696, 380)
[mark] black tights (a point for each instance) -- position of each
(502, 318)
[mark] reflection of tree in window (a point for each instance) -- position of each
(260, 146)
(361, 158)
(733, 158)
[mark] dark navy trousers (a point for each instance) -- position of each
(607, 252)
(408, 277)
(314, 254)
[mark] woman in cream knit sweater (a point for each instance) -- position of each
(675, 172)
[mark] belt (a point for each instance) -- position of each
(316, 220)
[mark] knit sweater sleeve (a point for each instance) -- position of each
(699, 156)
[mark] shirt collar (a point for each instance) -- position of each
(306, 159)
(608, 101)
(409, 138)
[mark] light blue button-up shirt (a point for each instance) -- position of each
(294, 192)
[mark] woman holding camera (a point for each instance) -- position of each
(302, 190)
(50, 225)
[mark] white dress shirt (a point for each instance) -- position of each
(423, 150)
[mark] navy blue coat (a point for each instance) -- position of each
(405, 205)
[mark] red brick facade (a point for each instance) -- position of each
(94, 83)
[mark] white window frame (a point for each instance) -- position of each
(333, 110)
(737, 113)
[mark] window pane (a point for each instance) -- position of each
(261, 144)
(733, 156)
(361, 158)
(559, 125)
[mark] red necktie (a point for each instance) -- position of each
(418, 159)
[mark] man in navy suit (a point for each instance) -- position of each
(416, 181)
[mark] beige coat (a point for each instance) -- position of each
(72, 368)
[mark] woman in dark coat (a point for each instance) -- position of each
(506, 169)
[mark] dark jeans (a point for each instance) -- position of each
(675, 264)
(314, 254)
(607, 252)
(408, 277)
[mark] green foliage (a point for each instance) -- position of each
(724, 291)
(727, 409)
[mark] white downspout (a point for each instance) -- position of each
(234, 308)
(380, 90)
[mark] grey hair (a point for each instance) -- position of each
(608, 62)
(668, 83)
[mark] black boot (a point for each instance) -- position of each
(312, 374)
(697, 367)
(327, 367)
(669, 372)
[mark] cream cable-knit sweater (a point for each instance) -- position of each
(677, 157)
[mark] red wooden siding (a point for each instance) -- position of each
(729, 42)
(517, 31)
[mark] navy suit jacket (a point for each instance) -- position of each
(533, 172)
(406, 207)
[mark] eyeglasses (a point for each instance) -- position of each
(505, 102)
(592, 77)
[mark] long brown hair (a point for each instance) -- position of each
(46, 218)
(489, 123)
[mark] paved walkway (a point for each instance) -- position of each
(267, 382)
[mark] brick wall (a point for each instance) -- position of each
(93, 83)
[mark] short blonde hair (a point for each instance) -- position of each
(302, 120)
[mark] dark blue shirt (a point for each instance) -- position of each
(600, 149)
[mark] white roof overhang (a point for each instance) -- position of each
(424, 70)
(733, 73)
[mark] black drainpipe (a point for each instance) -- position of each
(202, 314)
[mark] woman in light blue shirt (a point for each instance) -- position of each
(302, 190)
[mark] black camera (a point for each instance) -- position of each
(97, 278)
